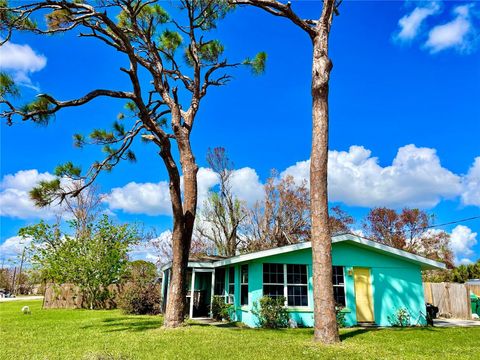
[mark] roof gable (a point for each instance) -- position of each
(425, 264)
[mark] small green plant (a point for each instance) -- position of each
(221, 310)
(341, 323)
(271, 313)
(400, 318)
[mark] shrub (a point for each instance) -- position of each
(401, 318)
(341, 323)
(221, 310)
(141, 300)
(271, 313)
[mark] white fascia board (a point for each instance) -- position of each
(166, 266)
(263, 253)
(191, 264)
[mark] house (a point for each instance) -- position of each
(370, 280)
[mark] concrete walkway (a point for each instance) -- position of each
(18, 298)
(455, 323)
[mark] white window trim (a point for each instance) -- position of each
(285, 286)
(344, 283)
(230, 298)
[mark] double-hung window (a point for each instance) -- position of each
(220, 282)
(273, 280)
(287, 280)
(244, 285)
(231, 284)
(297, 285)
(339, 286)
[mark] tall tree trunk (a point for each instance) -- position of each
(183, 222)
(326, 329)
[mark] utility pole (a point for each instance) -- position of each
(20, 271)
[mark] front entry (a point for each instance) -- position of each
(363, 295)
(201, 294)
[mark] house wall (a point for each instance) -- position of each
(396, 283)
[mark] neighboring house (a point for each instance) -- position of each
(371, 280)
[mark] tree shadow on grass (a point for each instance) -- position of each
(354, 332)
(350, 333)
(127, 324)
(227, 325)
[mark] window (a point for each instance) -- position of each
(244, 285)
(273, 280)
(219, 282)
(338, 286)
(290, 281)
(231, 284)
(297, 286)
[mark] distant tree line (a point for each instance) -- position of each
(459, 274)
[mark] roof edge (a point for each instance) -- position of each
(426, 264)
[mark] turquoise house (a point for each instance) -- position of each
(371, 281)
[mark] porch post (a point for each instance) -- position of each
(192, 293)
(162, 290)
(212, 292)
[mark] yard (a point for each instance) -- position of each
(84, 334)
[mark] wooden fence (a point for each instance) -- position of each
(68, 296)
(452, 299)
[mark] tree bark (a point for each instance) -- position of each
(183, 222)
(326, 329)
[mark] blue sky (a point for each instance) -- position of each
(404, 116)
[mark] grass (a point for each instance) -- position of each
(109, 334)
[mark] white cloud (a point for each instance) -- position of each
(13, 247)
(458, 34)
(14, 198)
(471, 194)
(411, 24)
(206, 179)
(246, 185)
(141, 198)
(415, 178)
(21, 61)
(154, 198)
(462, 241)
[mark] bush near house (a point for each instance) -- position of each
(221, 310)
(271, 313)
(141, 299)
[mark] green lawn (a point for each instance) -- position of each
(84, 334)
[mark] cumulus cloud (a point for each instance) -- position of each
(141, 198)
(462, 240)
(14, 198)
(21, 61)
(411, 24)
(471, 194)
(154, 198)
(415, 178)
(458, 34)
(207, 178)
(13, 247)
(246, 185)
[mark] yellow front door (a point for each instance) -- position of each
(363, 295)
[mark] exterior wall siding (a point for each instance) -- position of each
(396, 283)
